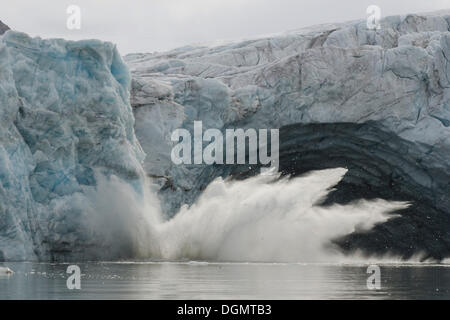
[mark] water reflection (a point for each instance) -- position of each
(224, 281)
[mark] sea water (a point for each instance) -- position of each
(199, 280)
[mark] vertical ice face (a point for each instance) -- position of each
(17, 212)
(64, 115)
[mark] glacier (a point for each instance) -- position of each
(374, 101)
(76, 117)
(65, 117)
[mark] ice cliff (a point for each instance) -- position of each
(65, 116)
(374, 101)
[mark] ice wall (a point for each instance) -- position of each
(67, 126)
(65, 118)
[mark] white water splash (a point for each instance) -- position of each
(260, 219)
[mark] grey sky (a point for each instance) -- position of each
(157, 25)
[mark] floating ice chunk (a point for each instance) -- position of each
(5, 270)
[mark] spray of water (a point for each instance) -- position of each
(260, 219)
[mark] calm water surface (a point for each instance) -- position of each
(224, 281)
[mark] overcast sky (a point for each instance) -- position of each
(158, 25)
